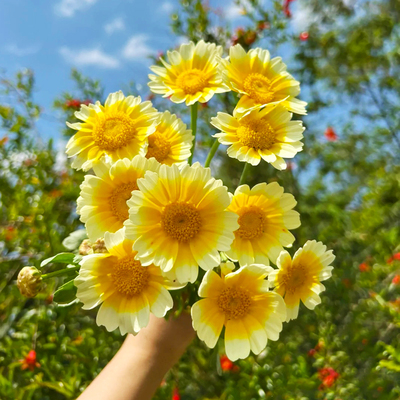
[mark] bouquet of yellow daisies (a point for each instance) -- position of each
(163, 234)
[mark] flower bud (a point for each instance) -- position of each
(85, 248)
(29, 281)
(99, 246)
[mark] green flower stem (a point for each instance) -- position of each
(193, 126)
(245, 172)
(61, 272)
(212, 152)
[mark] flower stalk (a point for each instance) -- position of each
(61, 272)
(212, 152)
(245, 173)
(193, 126)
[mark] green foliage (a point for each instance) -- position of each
(348, 194)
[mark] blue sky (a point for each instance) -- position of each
(107, 40)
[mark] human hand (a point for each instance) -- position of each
(142, 361)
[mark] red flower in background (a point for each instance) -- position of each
(311, 353)
(29, 362)
(393, 257)
(396, 280)
(304, 36)
(363, 267)
(74, 103)
(87, 102)
(262, 25)
(330, 134)
(11, 233)
(175, 394)
(328, 376)
(286, 9)
(250, 37)
(227, 364)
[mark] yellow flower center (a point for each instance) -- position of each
(251, 223)
(258, 87)
(234, 302)
(294, 278)
(129, 276)
(192, 81)
(118, 199)
(257, 134)
(113, 130)
(159, 147)
(181, 221)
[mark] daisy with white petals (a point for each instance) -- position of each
(260, 80)
(191, 75)
(300, 278)
(242, 302)
(265, 216)
(127, 291)
(266, 134)
(171, 142)
(179, 221)
(118, 129)
(102, 203)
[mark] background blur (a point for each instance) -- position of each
(346, 54)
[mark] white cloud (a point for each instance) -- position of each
(94, 57)
(67, 8)
(22, 51)
(166, 7)
(233, 11)
(117, 24)
(303, 17)
(136, 48)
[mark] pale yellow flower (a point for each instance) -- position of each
(127, 291)
(242, 302)
(260, 80)
(301, 278)
(179, 221)
(102, 203)
(171, 142)
(265, 216)
(119, 129)
(266, 134)
(191, 75)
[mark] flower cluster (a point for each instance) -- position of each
(161, 224)
(29, 361)
(328, 377)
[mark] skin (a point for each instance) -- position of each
(139, 366)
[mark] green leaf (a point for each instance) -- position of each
(390, 365)
(65, 294)
(74, 239)
(63, 258)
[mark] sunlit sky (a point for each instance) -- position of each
(106, 40)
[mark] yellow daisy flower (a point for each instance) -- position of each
(126, 290)
(265, 216)
(179, 221)
(266, 134)
(118, 129)
(192, 74)
(242, 302)
(102, 203)
(260, 80)
(171, 142)
(301, 278)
